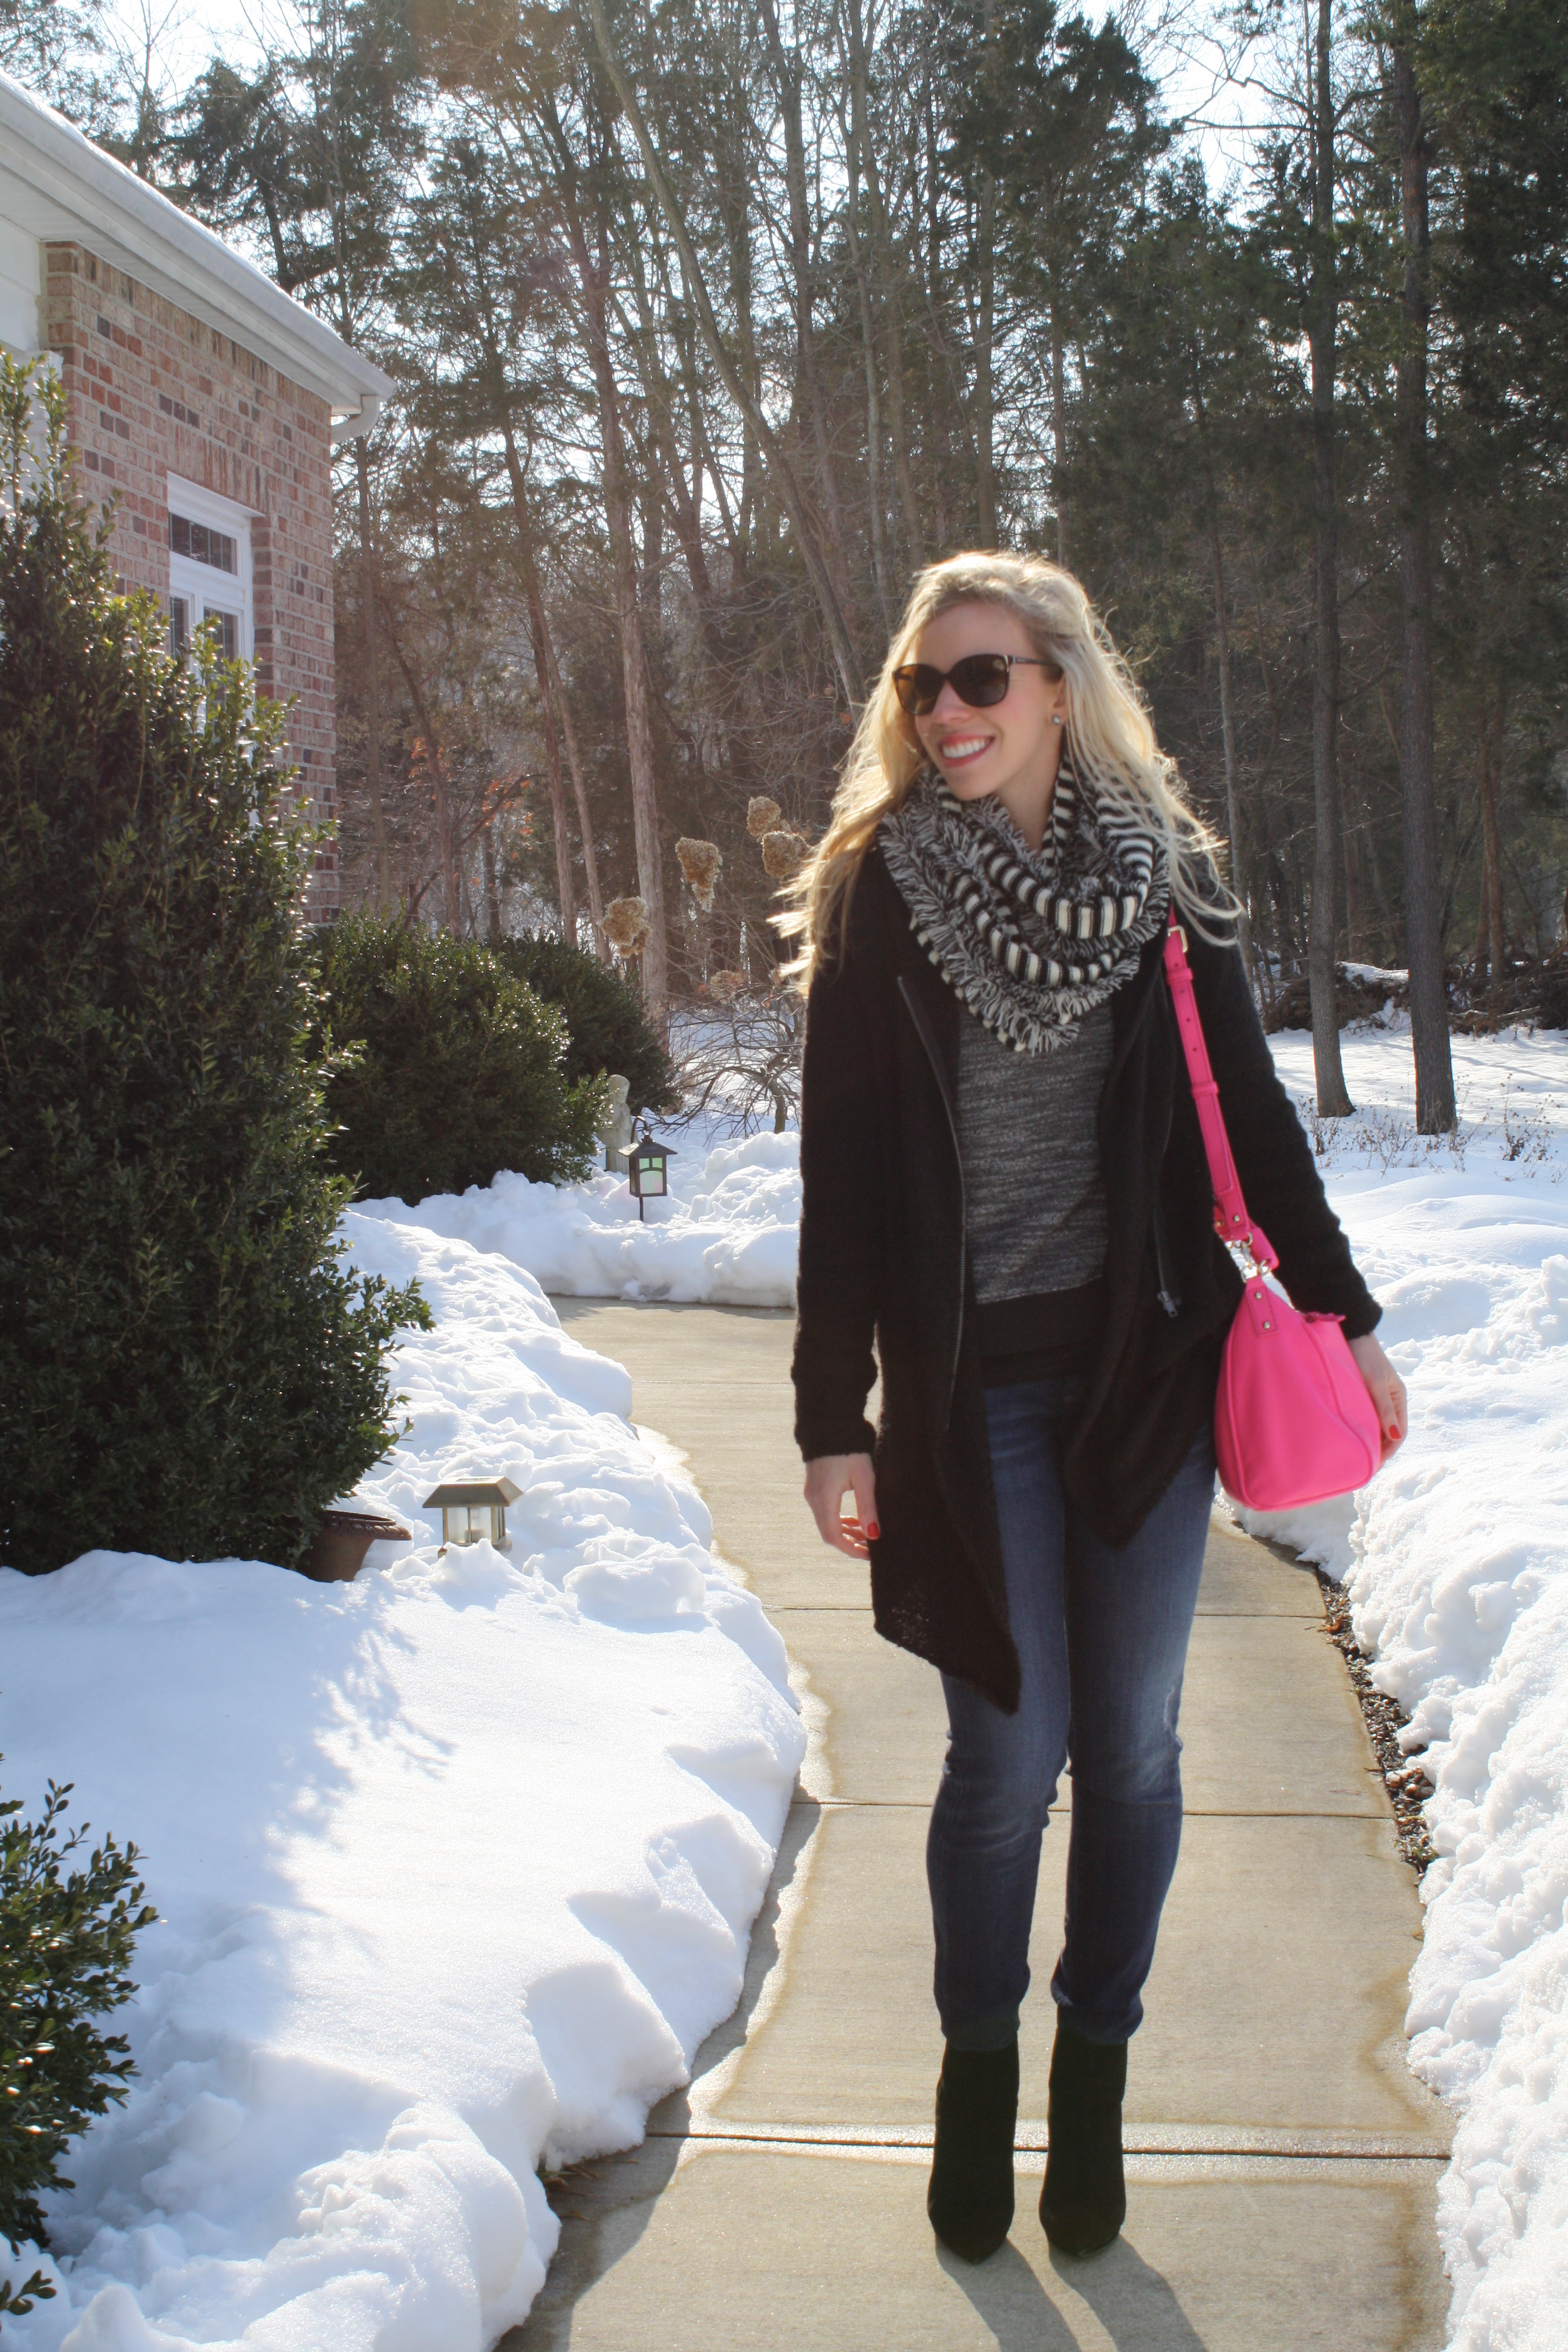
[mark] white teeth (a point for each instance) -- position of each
(962, 750)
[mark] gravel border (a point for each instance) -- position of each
(1403, 1776)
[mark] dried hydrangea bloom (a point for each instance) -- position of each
(701, 862)
(783, 854)
(626, 925)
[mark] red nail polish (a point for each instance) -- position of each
(873, 1531)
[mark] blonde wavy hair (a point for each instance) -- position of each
(1109, 733)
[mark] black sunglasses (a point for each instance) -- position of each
(979, 680)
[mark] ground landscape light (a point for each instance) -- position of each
(647, 1169)
(474, 1513)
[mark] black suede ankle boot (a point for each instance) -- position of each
(1084, 2201)
(970, 2199)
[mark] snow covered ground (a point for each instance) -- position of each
(727, 1235)
(465, 1854)
(1456, 1559)
(1457, 1562)
(456, 1865)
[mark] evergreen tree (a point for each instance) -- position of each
(185, 1365)
(48, 46)
(66, 1940)
(1183, 401)
(1060, 120)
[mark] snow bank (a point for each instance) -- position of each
(1457, 1564)
(456, 1865)
(727, 1235)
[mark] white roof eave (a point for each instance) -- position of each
(58, 184)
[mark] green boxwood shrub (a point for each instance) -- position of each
(186, 1365)
(66, 1937)
(453, 1067)
(608, 1029)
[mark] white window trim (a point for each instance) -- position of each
(206, 588)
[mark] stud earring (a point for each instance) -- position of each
(1055, 718)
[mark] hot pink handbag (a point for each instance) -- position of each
(1293, 1419)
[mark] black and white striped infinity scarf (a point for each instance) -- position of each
(1030, 943)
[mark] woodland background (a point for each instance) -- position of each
(710, 321)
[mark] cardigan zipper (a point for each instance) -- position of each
(1170, 1297)
(933, 1054)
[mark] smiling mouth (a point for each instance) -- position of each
(956, 749)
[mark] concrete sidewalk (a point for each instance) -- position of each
(1282, 2185)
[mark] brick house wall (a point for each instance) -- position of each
(153, 391)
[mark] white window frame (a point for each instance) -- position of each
(206, 590)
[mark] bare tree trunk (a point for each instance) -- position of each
(555, 710)
(985, 338)
(1059, 433)
(787, 72)
(1491, 762)
(985, 334)
(1349, 842)
(435, 759)
(492, 881)
(1240, 860)
(704, 463)
(683, 497)
(633, 657)
(444, 850)
(1435, 1111)
(851, 134)
(650, 505)
(1333, 1098)
(1480, 958)
(739, 235)
(372, 677)
(873, 417)
(566, 897)
(593, 276)
(541, 625)
(886, 270)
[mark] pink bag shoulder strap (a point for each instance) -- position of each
(1232, 1222)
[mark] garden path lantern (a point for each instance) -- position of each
(647, 1170)
(474, 1513)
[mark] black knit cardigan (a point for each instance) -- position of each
(883, 1265)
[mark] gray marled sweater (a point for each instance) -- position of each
(1034, 1202)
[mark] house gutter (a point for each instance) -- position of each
(352, 428)
(62, 189)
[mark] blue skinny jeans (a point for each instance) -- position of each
(1101, 1632)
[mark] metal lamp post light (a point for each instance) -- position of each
(475, 1512)
(647, 1170)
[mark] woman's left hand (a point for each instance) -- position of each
(1386, 1391)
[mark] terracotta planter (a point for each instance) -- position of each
(341, 1542)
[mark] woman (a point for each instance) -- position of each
(1006, 1193)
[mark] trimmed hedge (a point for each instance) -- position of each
(608, 1029)
(452, 1068)
(186, 1365)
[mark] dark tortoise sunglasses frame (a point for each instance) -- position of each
(980, 680)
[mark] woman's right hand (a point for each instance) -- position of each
(827, 1480)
